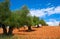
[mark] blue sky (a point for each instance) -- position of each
(49, 10)
(36, 4)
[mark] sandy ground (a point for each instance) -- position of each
(45, 32)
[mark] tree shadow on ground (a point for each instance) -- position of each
(29, 31)
(26, 30)
(37, 27)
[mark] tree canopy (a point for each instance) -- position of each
(4, 11)
(17, 18)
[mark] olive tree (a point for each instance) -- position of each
(12, 22)
(36, 21)
(43, 22)
(26, 17)
(4, 14)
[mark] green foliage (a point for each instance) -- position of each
(4, 11)
(42, 22)
(24, 11)
(29, 21)
(20, 18)
(13, 20)
(17, 18)
(24, 16)
(36, 20)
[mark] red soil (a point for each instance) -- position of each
(51, 32)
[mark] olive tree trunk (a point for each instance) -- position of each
(37, 26)
(10, 30)
(4, 29)
(29, 28)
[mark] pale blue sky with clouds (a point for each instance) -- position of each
(49, 10)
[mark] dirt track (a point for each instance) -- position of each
(47, 32)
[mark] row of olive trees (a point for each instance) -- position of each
(37, 21)
(8, 18)
(17, 18)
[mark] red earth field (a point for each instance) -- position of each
(44, 32)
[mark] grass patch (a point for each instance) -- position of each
(5, 37)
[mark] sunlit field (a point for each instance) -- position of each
(45, 32)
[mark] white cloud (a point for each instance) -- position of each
(38, 13)
(53, 22)
(45, 11)
(57, 9)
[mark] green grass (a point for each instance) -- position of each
(5, 37)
